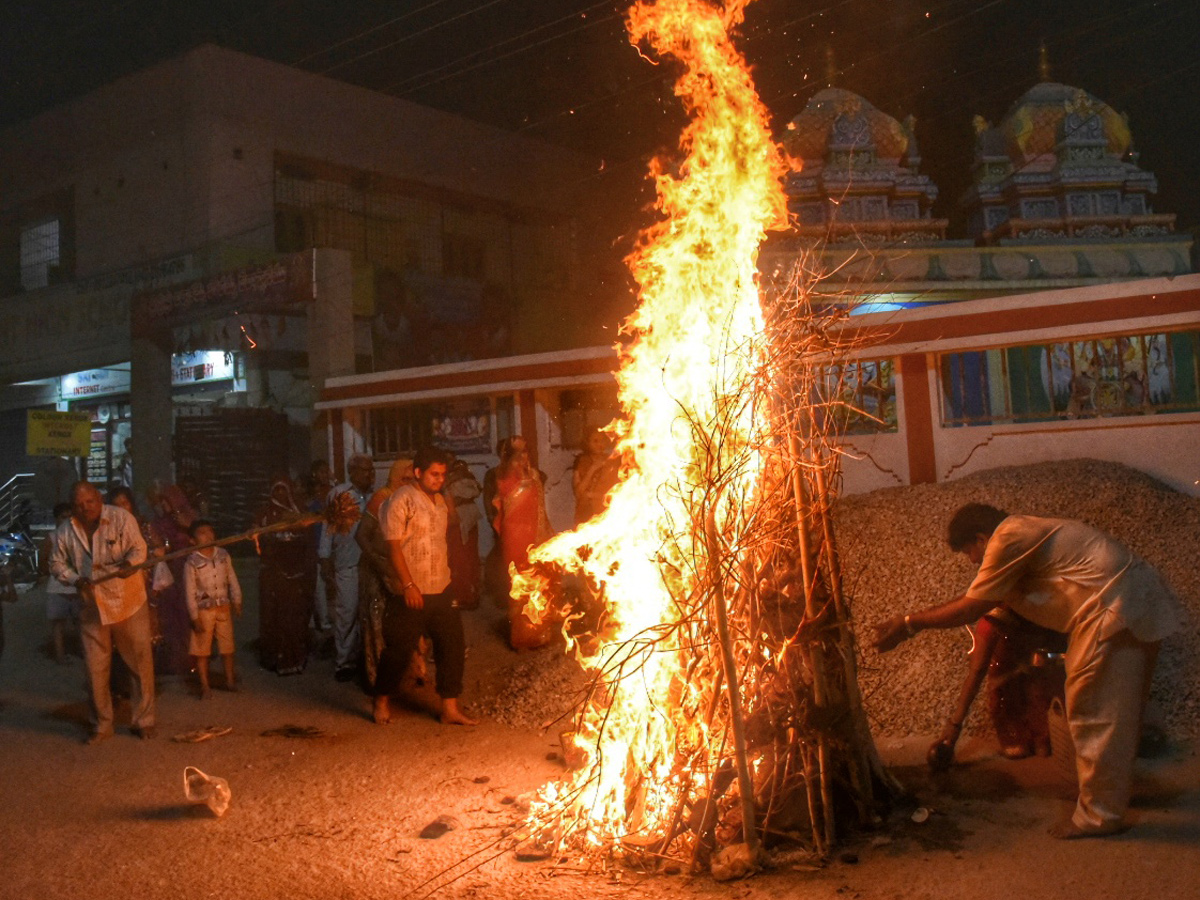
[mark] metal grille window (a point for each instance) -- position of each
(399, 431)
(394, 231)
(1105, 376)
(40, 254)
(861, 396)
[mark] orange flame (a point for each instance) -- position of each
(697, 340)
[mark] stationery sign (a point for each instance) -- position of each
(201, 366)
(57, 433)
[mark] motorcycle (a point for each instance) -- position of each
(19, 552)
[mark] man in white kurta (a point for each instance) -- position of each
(339, 556)
(1116, 608)
(96, 541)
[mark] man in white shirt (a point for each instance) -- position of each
(339, 556)
(414, 521)
(1069, 577)
(96, 541)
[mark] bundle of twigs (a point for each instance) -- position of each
(772, 744)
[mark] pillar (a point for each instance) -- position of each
(150, 405)
(330, 339)
(918, 418)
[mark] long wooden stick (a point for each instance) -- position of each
(286, 525)
(816, 655)
(737, 723)
(869, 759)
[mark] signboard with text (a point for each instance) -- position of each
(57, 433)
(93, 383)
(201, 366)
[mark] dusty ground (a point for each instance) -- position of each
(338, 816)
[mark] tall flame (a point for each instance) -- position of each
(688, 443)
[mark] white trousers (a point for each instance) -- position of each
(131, 638)
(322, 618)
(347, 634)
(1107, 687)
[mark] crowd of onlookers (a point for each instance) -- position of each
(150, 590)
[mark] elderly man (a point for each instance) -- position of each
(339, 555)
(1115, 608)
(96, 541)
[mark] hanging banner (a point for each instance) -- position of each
(463, 427)
(277, 286)
(57, 433)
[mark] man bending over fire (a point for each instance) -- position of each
(1115, 609)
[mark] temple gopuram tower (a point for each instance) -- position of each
(854, 174)
(1059, 165)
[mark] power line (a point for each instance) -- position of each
(416, 34)
(366, 32)
(401, 86)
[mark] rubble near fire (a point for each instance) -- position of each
(722, 707)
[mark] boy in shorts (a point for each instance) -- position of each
(213, 593)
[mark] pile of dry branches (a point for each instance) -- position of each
(771, 744)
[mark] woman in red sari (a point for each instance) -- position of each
(521, 523)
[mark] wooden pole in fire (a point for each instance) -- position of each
(729, 663)
(868, 762)
(828, 833)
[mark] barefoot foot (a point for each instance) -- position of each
(381, 710)
(452, 715)
(1069, 831)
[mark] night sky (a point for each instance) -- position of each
(562, 70)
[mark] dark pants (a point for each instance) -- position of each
(285, 591)
(402, 630)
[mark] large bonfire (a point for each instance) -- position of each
(723, 705)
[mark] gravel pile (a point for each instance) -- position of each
(895, 560)
(535, 692)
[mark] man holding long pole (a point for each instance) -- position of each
(100, 540)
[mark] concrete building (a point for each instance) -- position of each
(255, 230)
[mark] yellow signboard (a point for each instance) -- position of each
(57, 433)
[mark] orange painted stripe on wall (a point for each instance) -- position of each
(918, 418)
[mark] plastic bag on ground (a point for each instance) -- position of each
(210, 790)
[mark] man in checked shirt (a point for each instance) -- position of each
(414, 521)
(96, 541)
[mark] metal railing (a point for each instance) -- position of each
(16, 495)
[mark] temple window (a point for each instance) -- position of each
(399, 431)
(1098, 377)
(1039, 208)
(1135, 205)
(858, 397)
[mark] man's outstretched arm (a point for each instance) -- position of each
(960, 611)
